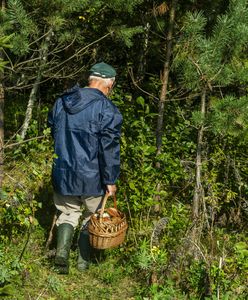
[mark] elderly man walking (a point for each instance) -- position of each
(85, 126)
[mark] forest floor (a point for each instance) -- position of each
(109, 279)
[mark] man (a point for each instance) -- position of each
(85, 126)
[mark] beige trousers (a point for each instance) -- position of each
(73, 207)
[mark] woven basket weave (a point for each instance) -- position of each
(107, 232)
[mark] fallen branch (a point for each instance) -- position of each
(25, 141)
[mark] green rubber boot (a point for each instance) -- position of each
(84, 251)
(64, 240)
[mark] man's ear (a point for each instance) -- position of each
(112, 85)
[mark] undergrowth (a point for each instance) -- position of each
(159, 259)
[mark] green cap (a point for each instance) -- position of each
(102, 70)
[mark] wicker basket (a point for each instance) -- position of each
(107, 232)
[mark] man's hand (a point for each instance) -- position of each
(111, 188)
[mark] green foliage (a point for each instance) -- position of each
(159, 259)
(229, 116)
(55, 285)
(195, 24)
(10, 271)
(127, 34)
(138, 151)
(110, 273)
(204, 60)
(241, 252)
(120, 5)
(139, 174)
(198, 119)
(143, 258)
(22, 24)
(19, 18)
(165, 292)
(5, 42)
(28, 169)
(178, 222)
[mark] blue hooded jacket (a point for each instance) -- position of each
(86, 128)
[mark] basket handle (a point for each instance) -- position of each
(105, 201)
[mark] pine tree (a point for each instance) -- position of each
(52, 39)
(4, 43)
(206, 63)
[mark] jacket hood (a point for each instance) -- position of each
(77, 99)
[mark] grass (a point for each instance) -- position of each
(124, 274)
(107, 280)
(112, 279)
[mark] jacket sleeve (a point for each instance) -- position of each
(109, 145)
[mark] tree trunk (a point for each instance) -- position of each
(165, 77)
(199, 190)
(33, 94)
(29, 110)
(142, 62)
(3, 5)
(164, 89)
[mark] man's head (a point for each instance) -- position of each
(102, 77)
